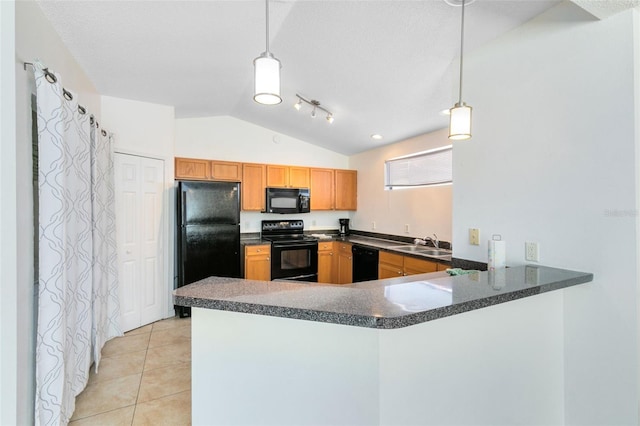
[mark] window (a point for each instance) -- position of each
(433, 167)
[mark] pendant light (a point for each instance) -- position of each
(460, 114)
(266, 73)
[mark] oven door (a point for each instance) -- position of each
(294, 260)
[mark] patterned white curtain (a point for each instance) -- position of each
(77, 306)
(106, 302)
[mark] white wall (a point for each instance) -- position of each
(146, 129)
(425, 210)
(230, 139)
(34, 39)
(8, 236)
(553, 160)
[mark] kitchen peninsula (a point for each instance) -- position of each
(422, 349)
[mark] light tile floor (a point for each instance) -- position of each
(144, 379)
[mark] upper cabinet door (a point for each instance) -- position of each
(254, 177)
(321, 189)
(277, 176)
(225, 170)
(298, 177)
(191, 168)
(346, 190)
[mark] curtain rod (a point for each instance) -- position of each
(51, 78)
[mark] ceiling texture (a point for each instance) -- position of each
(380, 66)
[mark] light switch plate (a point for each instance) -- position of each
(474, 236)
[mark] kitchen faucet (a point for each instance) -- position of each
(423, 241)
(433, 240)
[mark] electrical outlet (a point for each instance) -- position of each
(474, 236)
(373, 225)
(406, 228)
(531, 252)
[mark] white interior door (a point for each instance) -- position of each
(139, 221)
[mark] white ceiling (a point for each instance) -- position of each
(381, 66)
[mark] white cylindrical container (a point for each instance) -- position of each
(497, 254)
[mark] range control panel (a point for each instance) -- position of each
(282, 226)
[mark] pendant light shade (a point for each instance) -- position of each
(460, 122)
(266, 79)
(460, 114)
(266, 72)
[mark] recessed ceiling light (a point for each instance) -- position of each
(376, 137)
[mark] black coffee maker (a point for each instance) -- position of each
(344, 227)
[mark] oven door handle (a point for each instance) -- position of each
(288, 245)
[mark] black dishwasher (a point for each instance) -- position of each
(365, 264)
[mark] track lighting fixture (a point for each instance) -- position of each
(267, 73)
(316, 106)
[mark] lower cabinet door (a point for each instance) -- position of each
(257, 263)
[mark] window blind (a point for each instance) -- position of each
(432, 167)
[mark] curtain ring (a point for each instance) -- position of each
(82, 110)
(68, 96)
(51, 78)
(103, 133)
(91, 120)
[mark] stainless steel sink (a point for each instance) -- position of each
(428, 251)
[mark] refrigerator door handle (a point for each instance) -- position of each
(183, 208)
(184, 246)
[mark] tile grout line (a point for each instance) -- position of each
(146, 352)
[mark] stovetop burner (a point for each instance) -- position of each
(284, 230)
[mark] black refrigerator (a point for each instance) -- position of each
(208, 234)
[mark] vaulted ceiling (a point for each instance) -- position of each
(381, 66)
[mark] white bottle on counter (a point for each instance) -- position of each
(497, 253)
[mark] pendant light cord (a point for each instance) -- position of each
(267, 26)
(461, 52)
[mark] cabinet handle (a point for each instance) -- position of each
(268, 258)
(258, 250)
(400, 273)
(330, 254)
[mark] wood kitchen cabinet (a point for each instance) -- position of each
(391, 265)
(346, 190)
(225, 170)
(254, 178)
(344, 274)
(257, 262)
(192, 168)
(333, 189)
(326, 262)
(414, 266)
(322, 184)
(287, 176)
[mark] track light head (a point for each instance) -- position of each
(316, 106)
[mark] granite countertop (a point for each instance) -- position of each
(382, 304)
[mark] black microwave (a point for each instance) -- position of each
(288, 200)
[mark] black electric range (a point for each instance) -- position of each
(294, 256)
